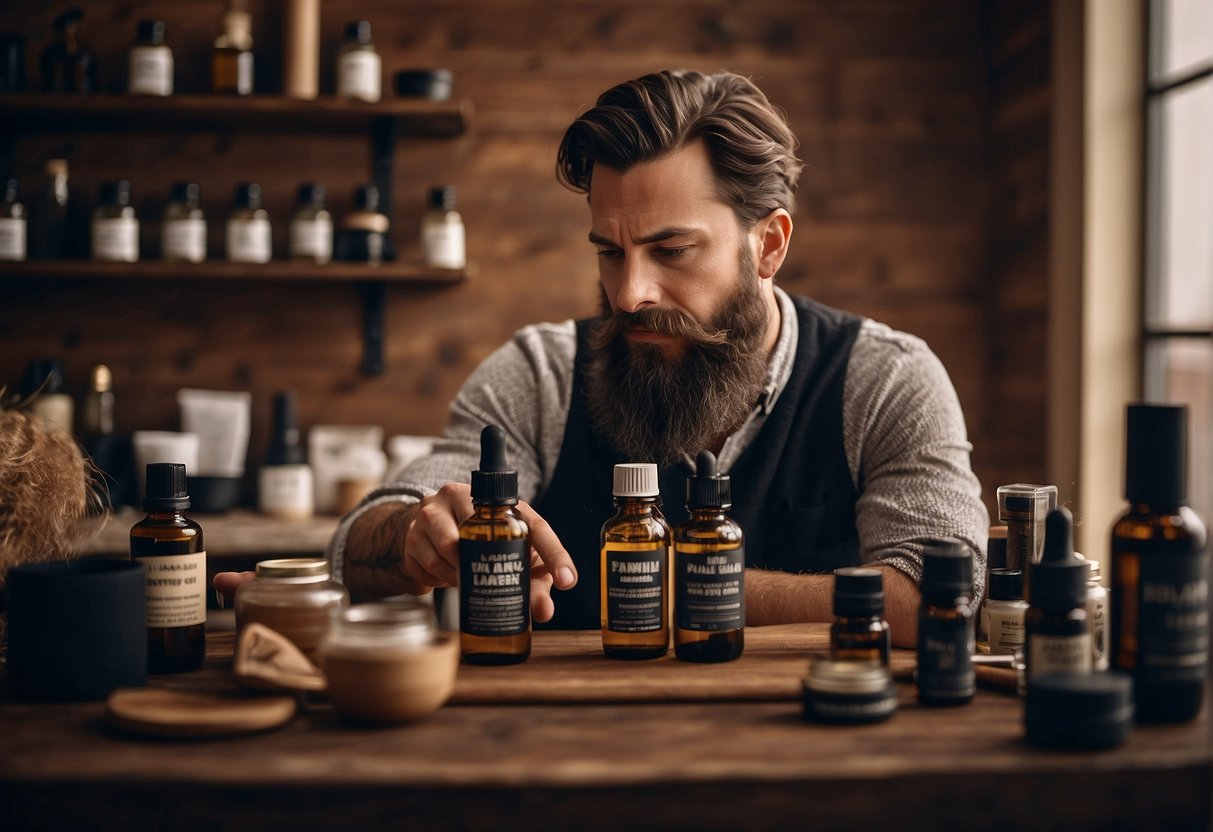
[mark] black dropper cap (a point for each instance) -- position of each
(358, 31)
(1156, 458)
(443, 198)
(187, 192)
(494, 483)
(858, 591)
(947, 571)
(366, 198)
(248, 195)
(165, 489)
(285, 448)
(311, 194)
(116, 193)
(151, 31)
(996, 550)
(44, 376)
(1006, 584)
(707, 488)
(1059, 581)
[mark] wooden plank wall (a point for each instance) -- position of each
(923, 126)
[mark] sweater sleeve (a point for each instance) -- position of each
(908, 453)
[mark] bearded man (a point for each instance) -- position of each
(844, 439)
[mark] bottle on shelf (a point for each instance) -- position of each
(249, 238)
(12, 62)
(359, 69)
(111, 453)
(115, 235)
(13, 224)
(301, 36)
(364, 231)
(49, 239)
(232, 55)
(67, 64)
(44, 390)
(285, 480)
(183, 233)
(151, 61)
(311, 232)
(442, 236)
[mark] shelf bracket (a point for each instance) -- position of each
(374, 313)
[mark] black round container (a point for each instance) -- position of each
(434, 84)
(848, 693)
(1079, 710)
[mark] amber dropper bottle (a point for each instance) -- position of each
(494, 564)
(945, 625)
(169, 544)
(709, 571)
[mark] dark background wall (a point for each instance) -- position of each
(924, 127)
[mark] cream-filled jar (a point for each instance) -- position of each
(296, 597)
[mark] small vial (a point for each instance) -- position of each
(1002, 615)
(312, 226)
(1024, 508)
(635, 567)
(859, 632)
(151, 61)
(13, 224)
(364, 233)
(1097, 615)
(945, 625)
(115, 235)
(359, 70)
(183, 234)
(248, 227)
(232, 56)
(1057, 637)
(442, 234)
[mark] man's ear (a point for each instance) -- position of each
(771, 235)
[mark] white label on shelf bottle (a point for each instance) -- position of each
(185, 240)
(358, 75)
(12, 239)
(116, 239)
(312, 239)
(248, 241)
(286, 491)
(151, 70)
(443, 244)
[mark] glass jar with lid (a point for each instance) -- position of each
(296, 597)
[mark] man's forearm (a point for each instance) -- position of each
(784, 598)
(374, 552)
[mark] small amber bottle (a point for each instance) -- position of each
(1058, 639)
(635, 568)
(494, 564)
(169, 545)
(709, 571)
(232, 56)
(945, 625)
(859, 632)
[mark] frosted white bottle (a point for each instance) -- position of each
(151, 61)
(115, 229)
(249, 237)
(359, 69)
(442, 235)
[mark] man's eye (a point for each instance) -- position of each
(674, 253)
(610, 253)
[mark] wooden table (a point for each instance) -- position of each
(657, 749)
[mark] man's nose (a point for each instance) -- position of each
(639, 285)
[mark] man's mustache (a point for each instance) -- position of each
(670, 322)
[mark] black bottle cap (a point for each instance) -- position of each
(68, 18)
(366, 198)
(165, 488)
(151, 31)
(1156, 458)
(858, 591)
(116, 193)
(1059, 581)
(947, 570)
(1006, 584)
(187, 192)
(358, 30)
(248, 195)
(1079, 710)
(285, 447)
(708, 488)
(443, 198)
(494, 483)
(996, 548)
(43, 376)
(311, 194)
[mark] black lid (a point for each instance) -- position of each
(68, 18)
(151, 31)
(44, 375)
(358, 30)
(443, 197)
(706, 488)
(10, 190)
(494, 483)
(367, 198)
(188, 192)
(1079, 710)
(311, 194)
(165, 487)
(285, 447)
(1059, 581)
(1156, 458)
(116, 193)
(248, 195)
(996, 548)
(858, 591)
(947, 569)
(1006, 584)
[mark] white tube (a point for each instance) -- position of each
(221, 420)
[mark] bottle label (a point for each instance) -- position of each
(286, 490)
(176, 590)
(358, 75)
(710, 590)
(248, 241)
(444, 245)
(185, 240)
(635, 589)
(945, 663)
(1058, 654)
(1173, 618)
(494, 587)
(312, 239)
(1004, 629)
(151, 70)
(12, 239)
(116, 239)
(1097, 614)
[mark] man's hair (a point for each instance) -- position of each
(751, 148)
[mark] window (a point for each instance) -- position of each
(1178, 308)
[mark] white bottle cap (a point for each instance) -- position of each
(636, 479)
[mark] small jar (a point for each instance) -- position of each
(295, 597)
(848, 692)
(388, 663)
(1002, 615)
(183, 234)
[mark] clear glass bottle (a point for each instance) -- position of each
(1058, 638)
(296, 597)
(285, 480)
(312, 226)
(183, 233)
(115, 234)
(1002, 614)
(364, 233)
(67, 64)
(859, 631)
(1023, 508)
(442, 233)
(494, 564)
(1097, 615)
(13, 224)
(1160, 571)
(151, 61)
(49, 240)
(709, 571)
(359, 70)
(635, 574)
(232, 56)
(945, 625)
(249, 236)
(169, 544)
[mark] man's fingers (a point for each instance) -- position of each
(542, 606)
(226, 583)
(551, 551)
(425, 565)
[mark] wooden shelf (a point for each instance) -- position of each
(397, 272)
(45, 112)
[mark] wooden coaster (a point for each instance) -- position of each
(158, 712)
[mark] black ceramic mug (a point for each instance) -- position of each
(76, 629)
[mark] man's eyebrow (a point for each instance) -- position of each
(656, 236)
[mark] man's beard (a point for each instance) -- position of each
(656, 407)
